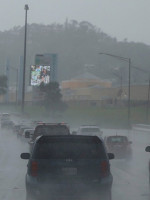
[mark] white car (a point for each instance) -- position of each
(5, 116)
(89, 130)
(30, 132)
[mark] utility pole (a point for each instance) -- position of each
(7, 75)
(129, 97)
(24, 60)
(129, 81)
(148, 97)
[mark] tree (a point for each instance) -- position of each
(53, 97)
(3, 84)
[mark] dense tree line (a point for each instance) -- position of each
(78, 45)
(52, 98)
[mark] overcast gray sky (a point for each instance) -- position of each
(118, 18)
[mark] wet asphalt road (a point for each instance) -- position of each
(130, 177)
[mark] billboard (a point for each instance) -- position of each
(39, 74)
(48, 59)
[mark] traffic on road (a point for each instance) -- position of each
(63, 165)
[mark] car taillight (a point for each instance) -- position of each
(34, 168)
(104, 168)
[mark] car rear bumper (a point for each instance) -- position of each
(69, 190)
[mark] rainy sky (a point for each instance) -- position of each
(123, 19)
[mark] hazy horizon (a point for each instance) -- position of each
(121, 19)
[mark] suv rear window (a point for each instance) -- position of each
(69, 150)
(117, 139)
(51, 130)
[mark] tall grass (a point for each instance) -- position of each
(105, 117)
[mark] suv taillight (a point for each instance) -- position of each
(34, 168)
(104, 168)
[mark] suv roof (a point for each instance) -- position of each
(46, 138)
(89, 126)
(5, 114)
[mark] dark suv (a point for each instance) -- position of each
(49, 129)
(68, 167)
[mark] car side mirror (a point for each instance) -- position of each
(27, 134)
(25, 156)
(111, 156)
(147, 149)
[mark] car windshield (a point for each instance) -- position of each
(80, 63)
(89, 130)
(5, 116)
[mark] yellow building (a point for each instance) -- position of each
(88, 88)
(85, 80)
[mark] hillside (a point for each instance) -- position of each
(77, 45)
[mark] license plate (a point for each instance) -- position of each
(69, 171)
